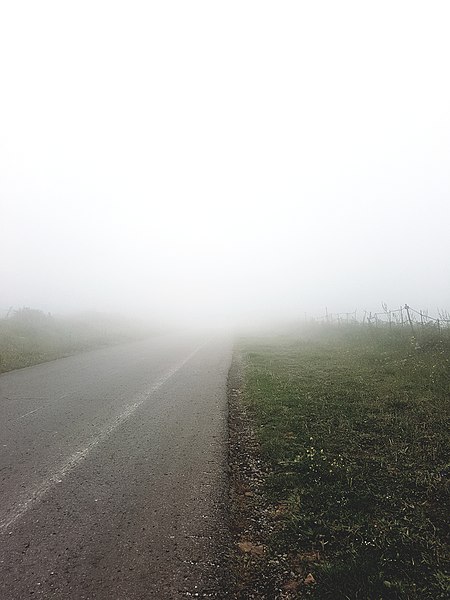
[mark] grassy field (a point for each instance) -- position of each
(29, 336)
(352, 424)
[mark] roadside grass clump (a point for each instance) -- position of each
(353, 425)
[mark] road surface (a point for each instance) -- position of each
(113, 473)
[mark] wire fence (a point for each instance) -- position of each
(405, 316)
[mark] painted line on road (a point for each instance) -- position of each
(29, 413)
(36, 494)
(35, 410)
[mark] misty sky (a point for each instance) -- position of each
(221, 160)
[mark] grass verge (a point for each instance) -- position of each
(29, 336)
(352, 425)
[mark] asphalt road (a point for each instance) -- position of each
(113, 473)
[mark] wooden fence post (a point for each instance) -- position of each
(409, 319)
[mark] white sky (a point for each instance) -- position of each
(214, 160)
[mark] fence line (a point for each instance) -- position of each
(405, 316)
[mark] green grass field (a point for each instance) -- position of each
(29, 336)
(353, 426)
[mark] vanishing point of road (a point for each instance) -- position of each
(113, 473)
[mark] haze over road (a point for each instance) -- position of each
(113, 473)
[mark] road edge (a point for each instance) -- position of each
(254, 572)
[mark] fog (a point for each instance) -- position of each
(224, 162)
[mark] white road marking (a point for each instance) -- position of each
(36, 409)
(29, 413)
(26, 398)
(35, 494)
